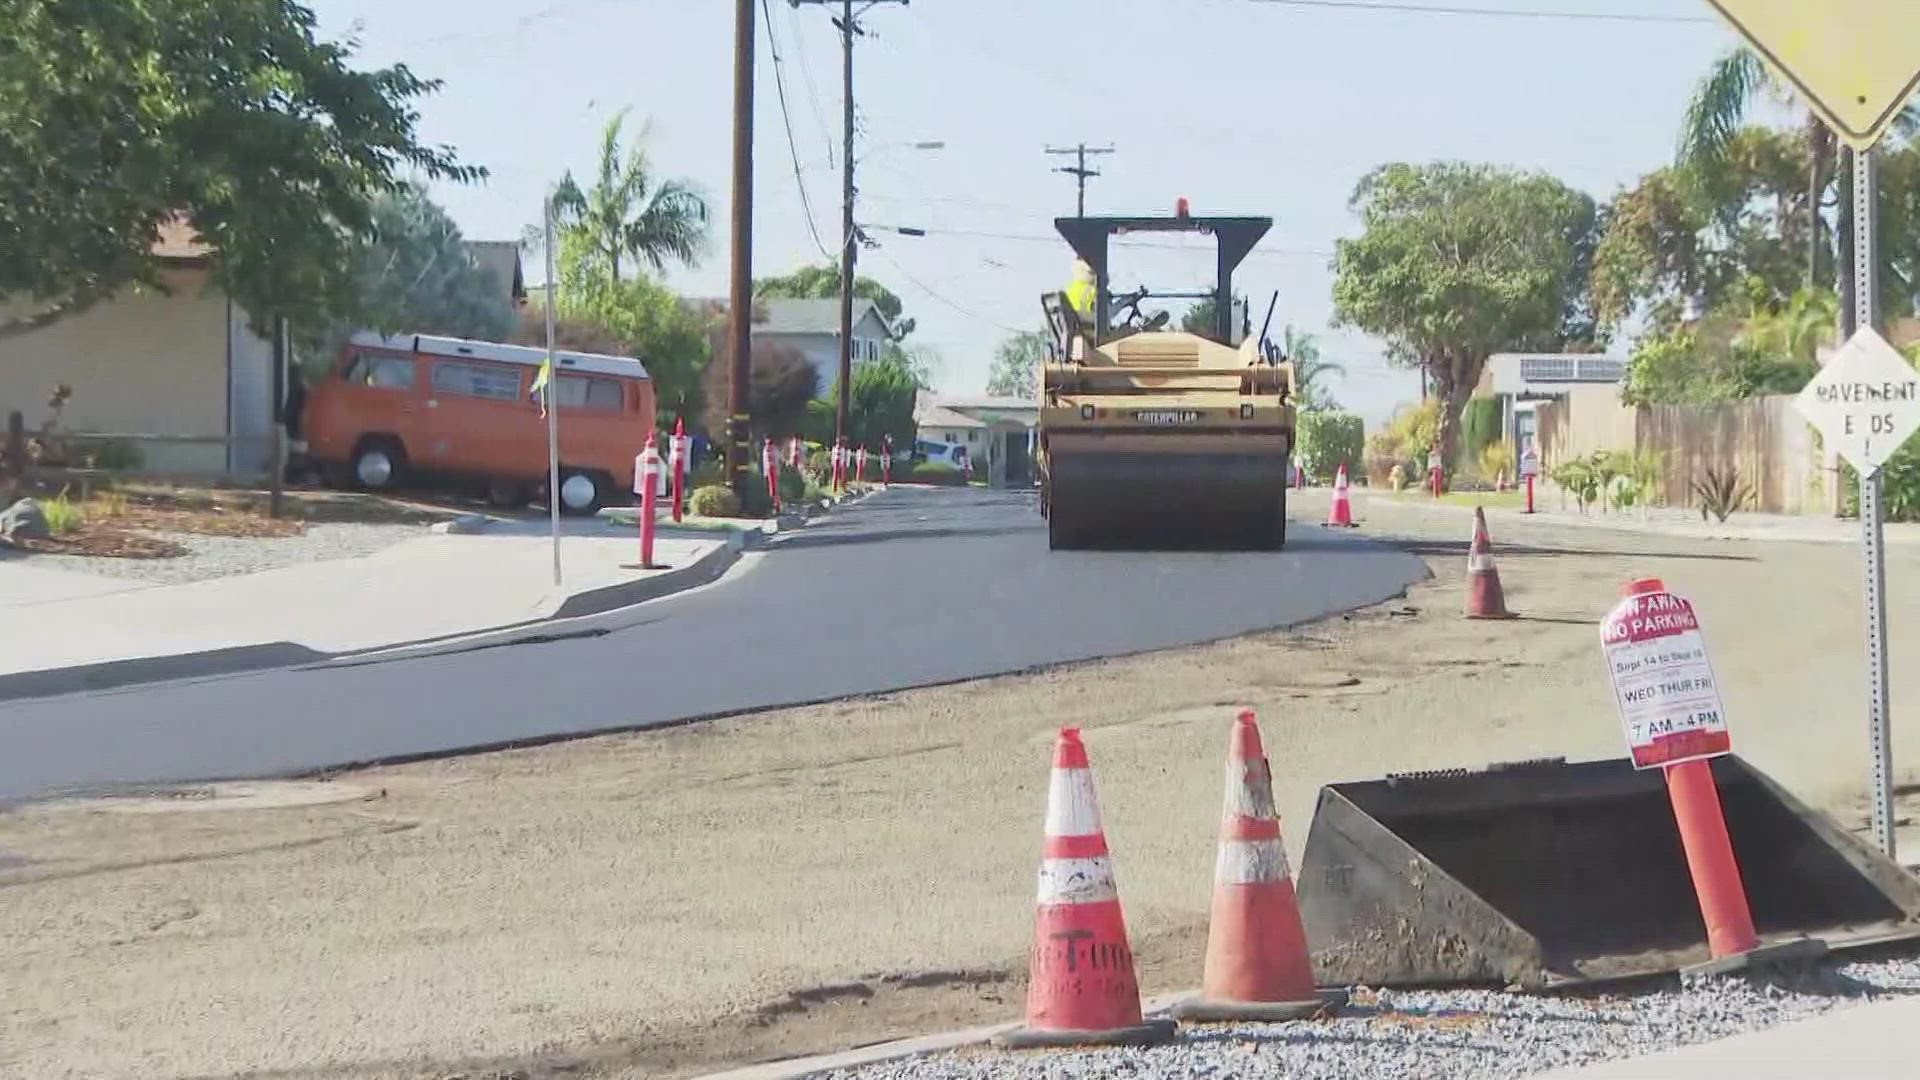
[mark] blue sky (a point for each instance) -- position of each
(1242, 106)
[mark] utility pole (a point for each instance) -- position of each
(850, 233)
(1079, 170)
(740, 294)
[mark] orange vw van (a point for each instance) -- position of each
(463, 411)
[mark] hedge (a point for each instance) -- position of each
(1329, 440)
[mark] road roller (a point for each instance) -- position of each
(1155, 437)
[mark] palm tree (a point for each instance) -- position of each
(1303, 350)
(631, 213)
(1719, 109)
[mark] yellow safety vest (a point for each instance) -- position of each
(1080, 295)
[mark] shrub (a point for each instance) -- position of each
(1721, 492)
(1496, 458)
(793, 485)
(1329, 440)
(709, 473)
(1899, 485)
(1479, 429)
(1578, 478)
(714, 500)
(63, 514)
(116, 455)
(928, 472)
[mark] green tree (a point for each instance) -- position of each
(920, 361)
(1016, 365)
(1457, 262)
(823, 283)
(629, 213)
(227, 115)
(881, 404)
(1199, 318)
(417, 275)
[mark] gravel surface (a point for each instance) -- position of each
(224, 556)
(1443, 1035)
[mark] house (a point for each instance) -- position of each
(812, 327)
(1522, 381)
(502, 257)
(998, 433)
(183, 363)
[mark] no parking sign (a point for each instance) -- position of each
(1662, 679)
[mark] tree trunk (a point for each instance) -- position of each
(1820, 144)
(1452, 392)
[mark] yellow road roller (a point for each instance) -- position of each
(1148, 434)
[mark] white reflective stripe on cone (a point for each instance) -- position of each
(1078, 881)
(1479, 564)
(1251, 862)
(1249, 797)
(1071, 809)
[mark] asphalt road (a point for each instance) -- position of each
(907, 588)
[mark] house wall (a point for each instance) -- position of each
(144, 362)
(823, 350)
(1587, 420)
(249, 396)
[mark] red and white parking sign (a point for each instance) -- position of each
(1662, 680)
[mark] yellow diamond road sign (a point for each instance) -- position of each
(1857, 62)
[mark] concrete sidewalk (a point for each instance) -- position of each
(68, 631)
(1865, 1042)
(1668, 522)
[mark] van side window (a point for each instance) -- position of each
(476, 380)
(381, 372)
(580, 392)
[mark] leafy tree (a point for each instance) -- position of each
(881, 403)
(823, 283)
(783, 383)
(629, 212)
(1199, 318)
(227, 115)
(921, 361)
(1457, 262)
(1016, 365)
(417, 275)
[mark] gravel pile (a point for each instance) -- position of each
(225, 556)
(1448, 1035)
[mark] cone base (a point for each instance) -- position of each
(1203, 1011)
(1784, 954)
(1148, 1033)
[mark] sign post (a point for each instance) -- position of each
(679, 455)
(1856, 63)
(1529, 468)
(1670, 706)
(646, 484)
(1434, 471)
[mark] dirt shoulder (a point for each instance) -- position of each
(669, 902)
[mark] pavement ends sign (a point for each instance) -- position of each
(1865, 402)
(1857, 62)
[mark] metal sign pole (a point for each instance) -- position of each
(1866, 294)
(552, 403)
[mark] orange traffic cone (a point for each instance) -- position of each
(1081, 990)
(1485, 598)
(1257, 965)
(1341, 515)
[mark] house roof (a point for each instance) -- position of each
(503, 258)
(937, 417)
(991, 404)
(176, 240)
(786, 316)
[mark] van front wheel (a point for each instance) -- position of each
(377, 465)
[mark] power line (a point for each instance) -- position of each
(813, 88)
(786, 119)
(1486, 12)
(1080, 172)
(930, 291)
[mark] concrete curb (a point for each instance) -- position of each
(239, 660)
(1895, 533)
(917, 1046)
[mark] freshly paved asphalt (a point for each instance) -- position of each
(910, 587)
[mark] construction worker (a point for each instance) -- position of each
(1080, 291)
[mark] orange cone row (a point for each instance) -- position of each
(1082, 990)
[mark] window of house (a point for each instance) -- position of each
(476, 380)
(381, 372)
(580, 392)
(973, 437)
